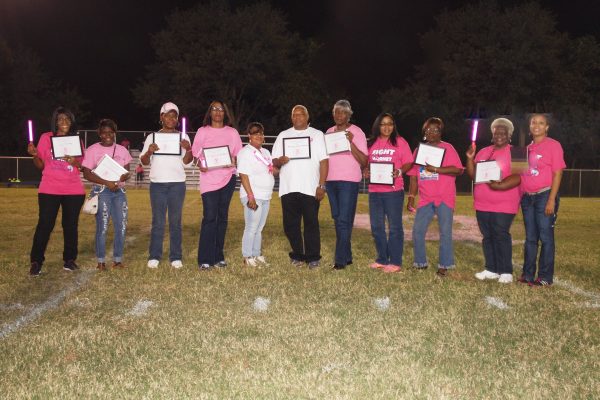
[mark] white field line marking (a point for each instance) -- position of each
(496, 302)
(11, 307)
(382, 303)
(140, 308)
(570, 287)
(261, 304)
(54, 301)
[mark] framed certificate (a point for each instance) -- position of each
(428, 154)
(217, 157)
(109, 169)
(168, 143)
(382, 173)
(337, 142)
(68, 145)
(487, 171)
(297, 148)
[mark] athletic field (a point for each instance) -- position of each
(284, 333)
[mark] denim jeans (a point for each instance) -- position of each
(342, 199)
(538, 228)
(497, 241)
(382, 206)
(255, 222)
(215, 206)
(166, 198)
(110, 205)
(422, 220)
(48, 211)
(298, 208)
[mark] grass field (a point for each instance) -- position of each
(358, 333)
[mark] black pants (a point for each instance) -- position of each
(48, 211)
(298, 208)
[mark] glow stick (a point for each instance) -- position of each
(182, 127)
(474, 132)
(30, 125)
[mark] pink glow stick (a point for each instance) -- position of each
(182, 127)
(474, 132)
(30, 126)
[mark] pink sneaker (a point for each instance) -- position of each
(376, 265)
(392, 268)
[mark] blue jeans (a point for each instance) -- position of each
(166, 198)
(342, 199)
(497, 242)
(538, 228)
(110, 205)
(422, 220)
(382, 206)
(215, 212)
(255, 222)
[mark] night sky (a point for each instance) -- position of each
(102, 47)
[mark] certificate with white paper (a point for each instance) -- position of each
(381, 173)
(337, 142)
(431, 155)
(168, 143)
(109, 169)
(63, 146)
(217, 157)
(297, 148)
(487, 171)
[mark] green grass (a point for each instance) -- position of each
(322, 336)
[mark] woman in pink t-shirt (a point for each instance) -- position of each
(112, 200)
(386, 201)
(437, 196)
(216, 184)
(60, 188)
(496, 202)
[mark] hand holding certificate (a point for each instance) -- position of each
(297, 148)
(337, 142)
(108, 169)
(168, 143)
(487, 171)
(64, 146)
(217, 157)
(430, 155)
(381, 173)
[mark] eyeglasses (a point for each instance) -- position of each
(386, 124)
(259, 133)
(433, 130)
(213, 108)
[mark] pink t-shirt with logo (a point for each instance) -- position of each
(343, 166)
(437, 188)
(58, 176)
(544, 158)
(95, 152)
(208, 136)
(490, 200)
(383, 151)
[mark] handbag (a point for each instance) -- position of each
(90, 206)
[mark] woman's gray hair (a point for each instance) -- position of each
(503, 122)
(344, 105)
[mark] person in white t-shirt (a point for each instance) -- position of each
(255, 169)
(167, 187)
(301, 155)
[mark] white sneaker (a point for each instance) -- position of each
(261, 260)
(249, 262)
(153, 263)
(176, 264)
(485, 274)
(505, 278)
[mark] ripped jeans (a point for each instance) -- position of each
(110, 205)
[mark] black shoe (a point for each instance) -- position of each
(70, 265)
(36, 268)
(314, 264)
(540, 282)
(338, 267)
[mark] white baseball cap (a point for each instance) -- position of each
(169, 107)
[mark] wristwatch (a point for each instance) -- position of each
(321, 187)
